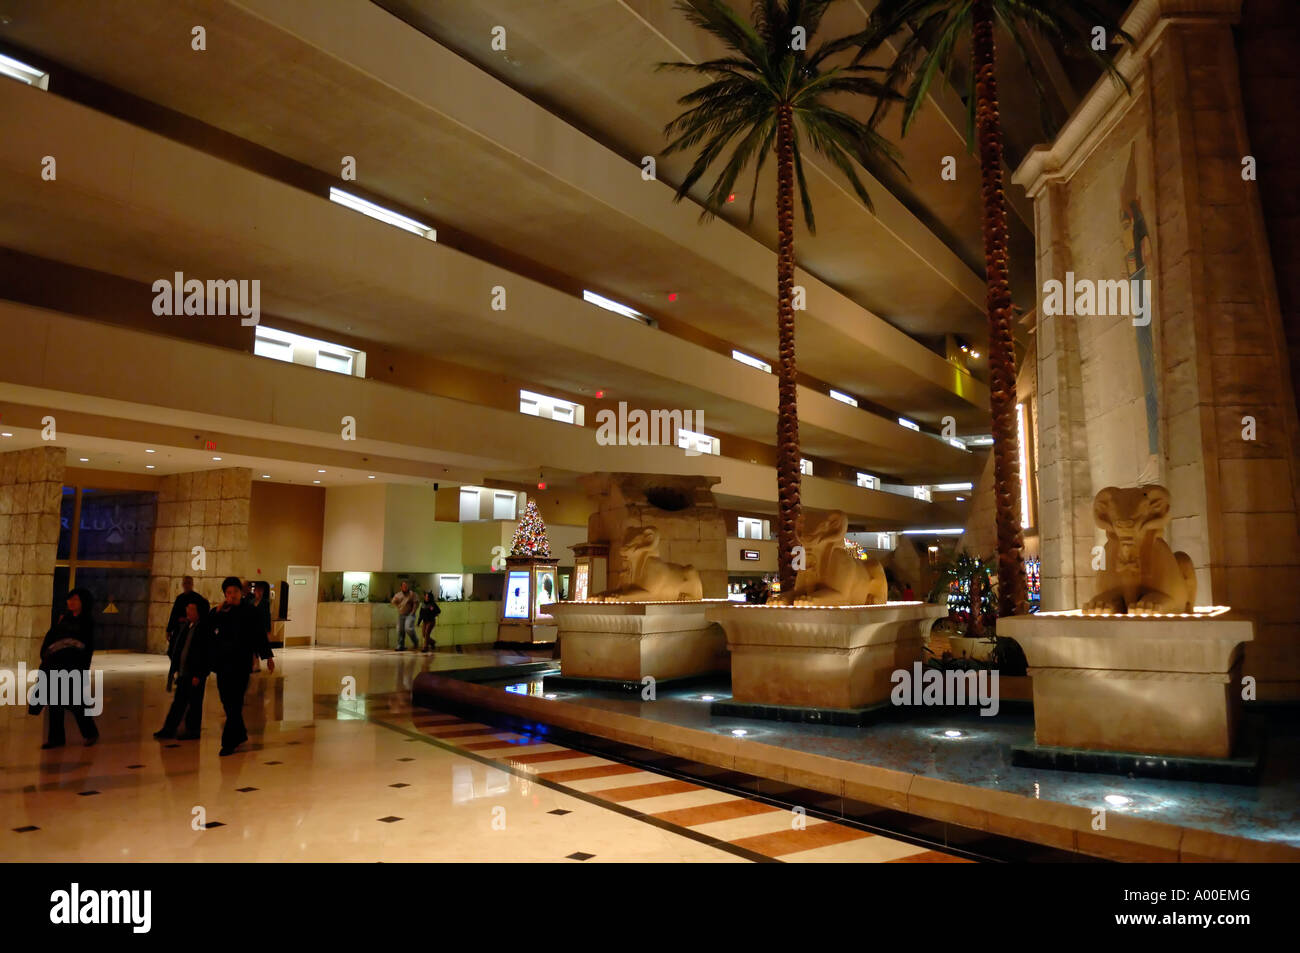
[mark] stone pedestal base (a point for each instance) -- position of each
(626, 641)
(833, 657)
(518, 632)
(1163, 684)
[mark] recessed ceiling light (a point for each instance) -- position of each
(315, 481)
(218, 459)
(371, 477)
(150, 451)
(266, 476)
(320, 471)
(961, 499)
(739, 732)
(6, 435)
(1117, 800)
(85, 459)
(148, 466)
(952, 733)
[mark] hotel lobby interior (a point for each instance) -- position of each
(451, 323)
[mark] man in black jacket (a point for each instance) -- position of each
(234, 636)
(187, 597)
(189, 668)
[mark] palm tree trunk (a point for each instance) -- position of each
(1002, 347)
(787, 415)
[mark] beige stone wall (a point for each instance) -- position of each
(208, 509)
(1220, 353)
(31, 491)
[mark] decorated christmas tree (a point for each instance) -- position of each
(530, 538)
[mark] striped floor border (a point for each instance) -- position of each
(740, 825)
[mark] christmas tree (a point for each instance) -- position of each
(530, 538)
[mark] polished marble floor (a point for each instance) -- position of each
(339, 768)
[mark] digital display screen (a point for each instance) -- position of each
(545, 588)
(580, 583)
(516, 596)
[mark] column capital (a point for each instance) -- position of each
(1145, 22)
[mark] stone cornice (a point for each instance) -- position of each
(1145, 21)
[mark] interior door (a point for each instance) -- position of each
(304, 590)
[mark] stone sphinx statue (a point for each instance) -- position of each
(1141, 573)
(831, 577)
(653, 579)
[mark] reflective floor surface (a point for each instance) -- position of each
(339, 768)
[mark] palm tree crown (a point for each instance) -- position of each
(769, 70)
(767, 95)
(935, 28)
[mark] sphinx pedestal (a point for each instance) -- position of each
(820, 657)
(1152, 685)
(626, 641)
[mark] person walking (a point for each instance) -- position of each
(234, 636)
(66, 651)
(260, 593)
(189, 670)
(429, 612)
(187, 597)
(408, 604)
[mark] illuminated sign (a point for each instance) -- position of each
(517, 596)
(750, 554)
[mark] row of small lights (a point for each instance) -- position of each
(150, 466)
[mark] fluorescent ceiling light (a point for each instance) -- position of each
(904, 422)
(23, 73)
(744, 358)
(844, 398)
(602, 302)
(979, 441)
(387, 216)
(933, 532)
(947, 487)
(958, 444)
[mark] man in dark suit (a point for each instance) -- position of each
(187, 597)
(189, 655)
(234, 637)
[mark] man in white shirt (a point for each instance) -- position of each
(408, 605)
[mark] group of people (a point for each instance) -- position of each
(231, 641)
(411, 607)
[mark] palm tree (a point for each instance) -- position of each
(767, 93)
(934, 29)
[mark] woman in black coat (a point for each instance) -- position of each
(429, 612)
(68, 647)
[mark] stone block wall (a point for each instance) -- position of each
(209, 509)
(31, 493)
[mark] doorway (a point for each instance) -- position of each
(300, 619)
